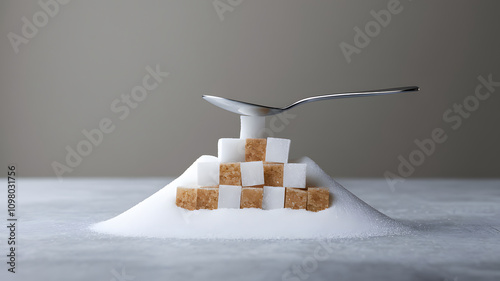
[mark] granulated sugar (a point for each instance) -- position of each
(158, 216)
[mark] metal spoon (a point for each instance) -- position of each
(246, 108)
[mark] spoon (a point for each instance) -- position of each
(251, 109)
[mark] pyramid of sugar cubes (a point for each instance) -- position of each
(252, 172)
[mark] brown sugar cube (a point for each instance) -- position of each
(251, 197)
(318, 198)
(208, 198)
(273, 174)
(295, 198)
(186, 198)
(255, 150)
(230, 174)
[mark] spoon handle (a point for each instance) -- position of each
(355, 94)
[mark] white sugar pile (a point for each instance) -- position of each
(158, 216)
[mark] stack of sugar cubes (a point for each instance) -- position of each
(252, 172)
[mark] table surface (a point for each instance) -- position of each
(456, 236)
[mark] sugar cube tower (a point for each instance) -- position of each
(252, 172)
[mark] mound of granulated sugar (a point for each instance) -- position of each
(158, 216)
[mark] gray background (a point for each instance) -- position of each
(270, 52)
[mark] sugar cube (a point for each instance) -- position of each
(252, 127)
(295, 198)
(229, 196)
(186, 197)
(231, 150)
(273, 174)
(208, 198)
(208, 173)
(318, 198)
(252, 173)
(294, 175)
(251, 197)
(230, 174)
(274, 198)
(277, 150)
(255, 150)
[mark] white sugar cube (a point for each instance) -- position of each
(229, 197)
(231, 150)
(274, 198)
(294, 175)
(252, 173)
(208, 173)
(277, 150)
(252, 127)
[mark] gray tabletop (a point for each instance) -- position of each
(456, 236)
